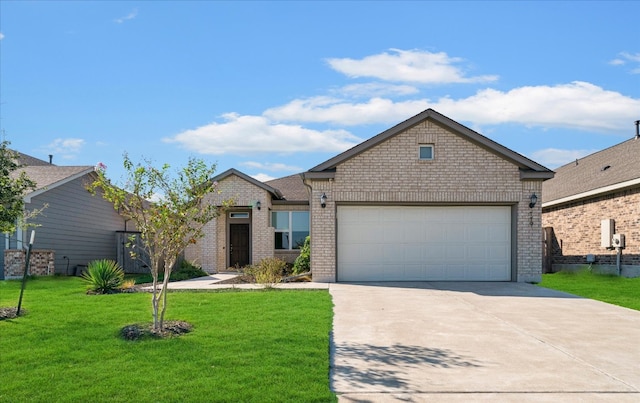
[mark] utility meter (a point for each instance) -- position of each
(617, 241)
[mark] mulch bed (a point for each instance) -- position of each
(11, 312)
(172, 328)
(240, 279)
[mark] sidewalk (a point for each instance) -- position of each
(211, 282)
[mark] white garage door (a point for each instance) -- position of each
(402, 243)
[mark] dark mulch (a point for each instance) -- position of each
(172, 328)
(240, 279)
(11, 312)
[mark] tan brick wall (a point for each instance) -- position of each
(41, 263)
(211, 250)
(461, 172)
(576, 228)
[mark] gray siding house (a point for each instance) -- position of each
(75, 225)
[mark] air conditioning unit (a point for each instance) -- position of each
(618, 240)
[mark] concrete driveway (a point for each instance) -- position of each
(460, 342)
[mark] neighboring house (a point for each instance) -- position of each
(602, 186)
(427, 200)
(77, 226)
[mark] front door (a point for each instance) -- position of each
(238, 245)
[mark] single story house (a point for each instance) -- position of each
(586, 204)
(75, 227)
(426, 200)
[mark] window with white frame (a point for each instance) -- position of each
(291, 228)
(426, 152)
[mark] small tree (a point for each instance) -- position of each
(171, 222)
(13, 186)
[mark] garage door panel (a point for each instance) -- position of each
(402, 243)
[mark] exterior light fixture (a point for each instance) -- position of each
(323, 200)
(258, 205)
(533, 200)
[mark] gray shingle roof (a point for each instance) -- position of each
(24, 159)
(292, 187)
(47, 176)
(612, 166)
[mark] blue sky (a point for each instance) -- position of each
(275, 88)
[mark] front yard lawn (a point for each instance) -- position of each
(245, 346)
(612, 289)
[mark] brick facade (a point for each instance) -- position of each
(41, 263)
(211, 251)
(576, 229)
(460, 173)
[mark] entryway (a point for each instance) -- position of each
(239, 241)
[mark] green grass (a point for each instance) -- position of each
(251, 346)
(612, 289)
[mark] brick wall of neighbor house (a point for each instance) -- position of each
(576, 229)
(460, 172)
(211, 250)
(41, 263)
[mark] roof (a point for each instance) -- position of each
(27, 160)
(292, 187)
(275, 192)
(529, 168)
(48, 176)
(611, 169)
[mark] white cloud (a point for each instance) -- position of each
(244, 135)
(553, 157)
(413, 66)
(1, 36)
(263, 177)
(376, 90)
(271, 166)
(133, 14)
(342, 112)
(628, 58)
(577, 105)
(64, 148)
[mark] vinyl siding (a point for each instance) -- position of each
(76, 224)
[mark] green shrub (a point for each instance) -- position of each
(303, 262)
(186, 271)
(103, 276)
(268, 271)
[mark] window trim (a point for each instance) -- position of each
(238, 215)
(430, 146)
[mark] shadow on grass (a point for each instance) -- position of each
(369, 366)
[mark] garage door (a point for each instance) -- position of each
(402, 243)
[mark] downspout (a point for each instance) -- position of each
(619, 260)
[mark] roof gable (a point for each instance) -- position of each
(274, 192)
(527, 166)
(613, 168)
(49, 177)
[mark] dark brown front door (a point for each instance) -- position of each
(238, 245)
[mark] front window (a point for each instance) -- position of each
(292, 227)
